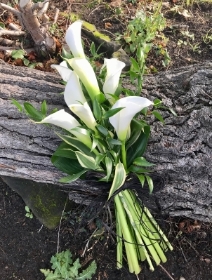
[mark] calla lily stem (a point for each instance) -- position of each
(124, 156)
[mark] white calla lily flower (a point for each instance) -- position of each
(73, 93)
(63, 70)
(68, 122)
(83, 111)
(114, 68)
(85, 71)
(73, 39)
(121, 121)
(76, 101)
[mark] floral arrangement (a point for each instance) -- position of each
(107, 135)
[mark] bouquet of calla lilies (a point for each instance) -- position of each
(106, 134)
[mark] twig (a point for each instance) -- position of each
(58, 233)
(13, 26)
(12, 32)
(43, 10)
(56, 15)
(10, 9)
(167, 273)
(7, 42)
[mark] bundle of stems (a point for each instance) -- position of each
(138, 231)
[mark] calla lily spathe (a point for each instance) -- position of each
(68, 122)
(114, 68)
(77, 103)
(73, 93)
(85, 71)
(63, 70)
(121, 121)
(73, 39)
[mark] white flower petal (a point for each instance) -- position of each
(73, 92)
(84, 70)
(121, 121)
(73, 39)
(63, 70)
(114, 68)
(83, 111)
(62, 119)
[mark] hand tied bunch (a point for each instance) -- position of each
(105, 136)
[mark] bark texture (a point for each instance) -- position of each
(181, 149)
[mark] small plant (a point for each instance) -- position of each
(207, 38)
(139, 37)
(28, 212)
(21, 55)
(63, 267)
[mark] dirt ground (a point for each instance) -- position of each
(25, 246)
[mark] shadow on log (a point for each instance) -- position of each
(181, 149)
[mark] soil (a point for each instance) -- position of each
(26, 246)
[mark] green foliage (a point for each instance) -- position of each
(21, 55)
(28, 212)
(63, 268)
(139, 40)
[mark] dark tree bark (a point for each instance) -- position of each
(181, 149)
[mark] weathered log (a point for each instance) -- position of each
(181, 149)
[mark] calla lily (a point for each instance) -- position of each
(73, 39)
(73, 92)
(83, 111)
(76, 101)
(114, 68)
(121, 121)
(86, 74)
(68, 122)
(63, 70)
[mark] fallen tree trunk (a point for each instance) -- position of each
(181, 149)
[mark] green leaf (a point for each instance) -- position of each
(157, 102)
(97, 111)
(109, 167)
(76, 144)
(86, 161)
(141, 179)
(150, 183)
(158, 116)
(99, 159)
(26, 61)
(135, 64)
(18, 54)
(88, 272)
(119, 178)
(115, 156)
(74, 270)
(18, 105)
(111, 113)
(67, 165)
(2, 25)
(138, 169)
(141, 161)
(102, 130)
(64, 150)
(74, 177)
(114, 142)
(93, 49)
(33, 113)
(94, 144)
(139, 147)
(44, 108)
(136, 129)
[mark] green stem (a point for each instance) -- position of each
(129, 240)
(124, 155)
